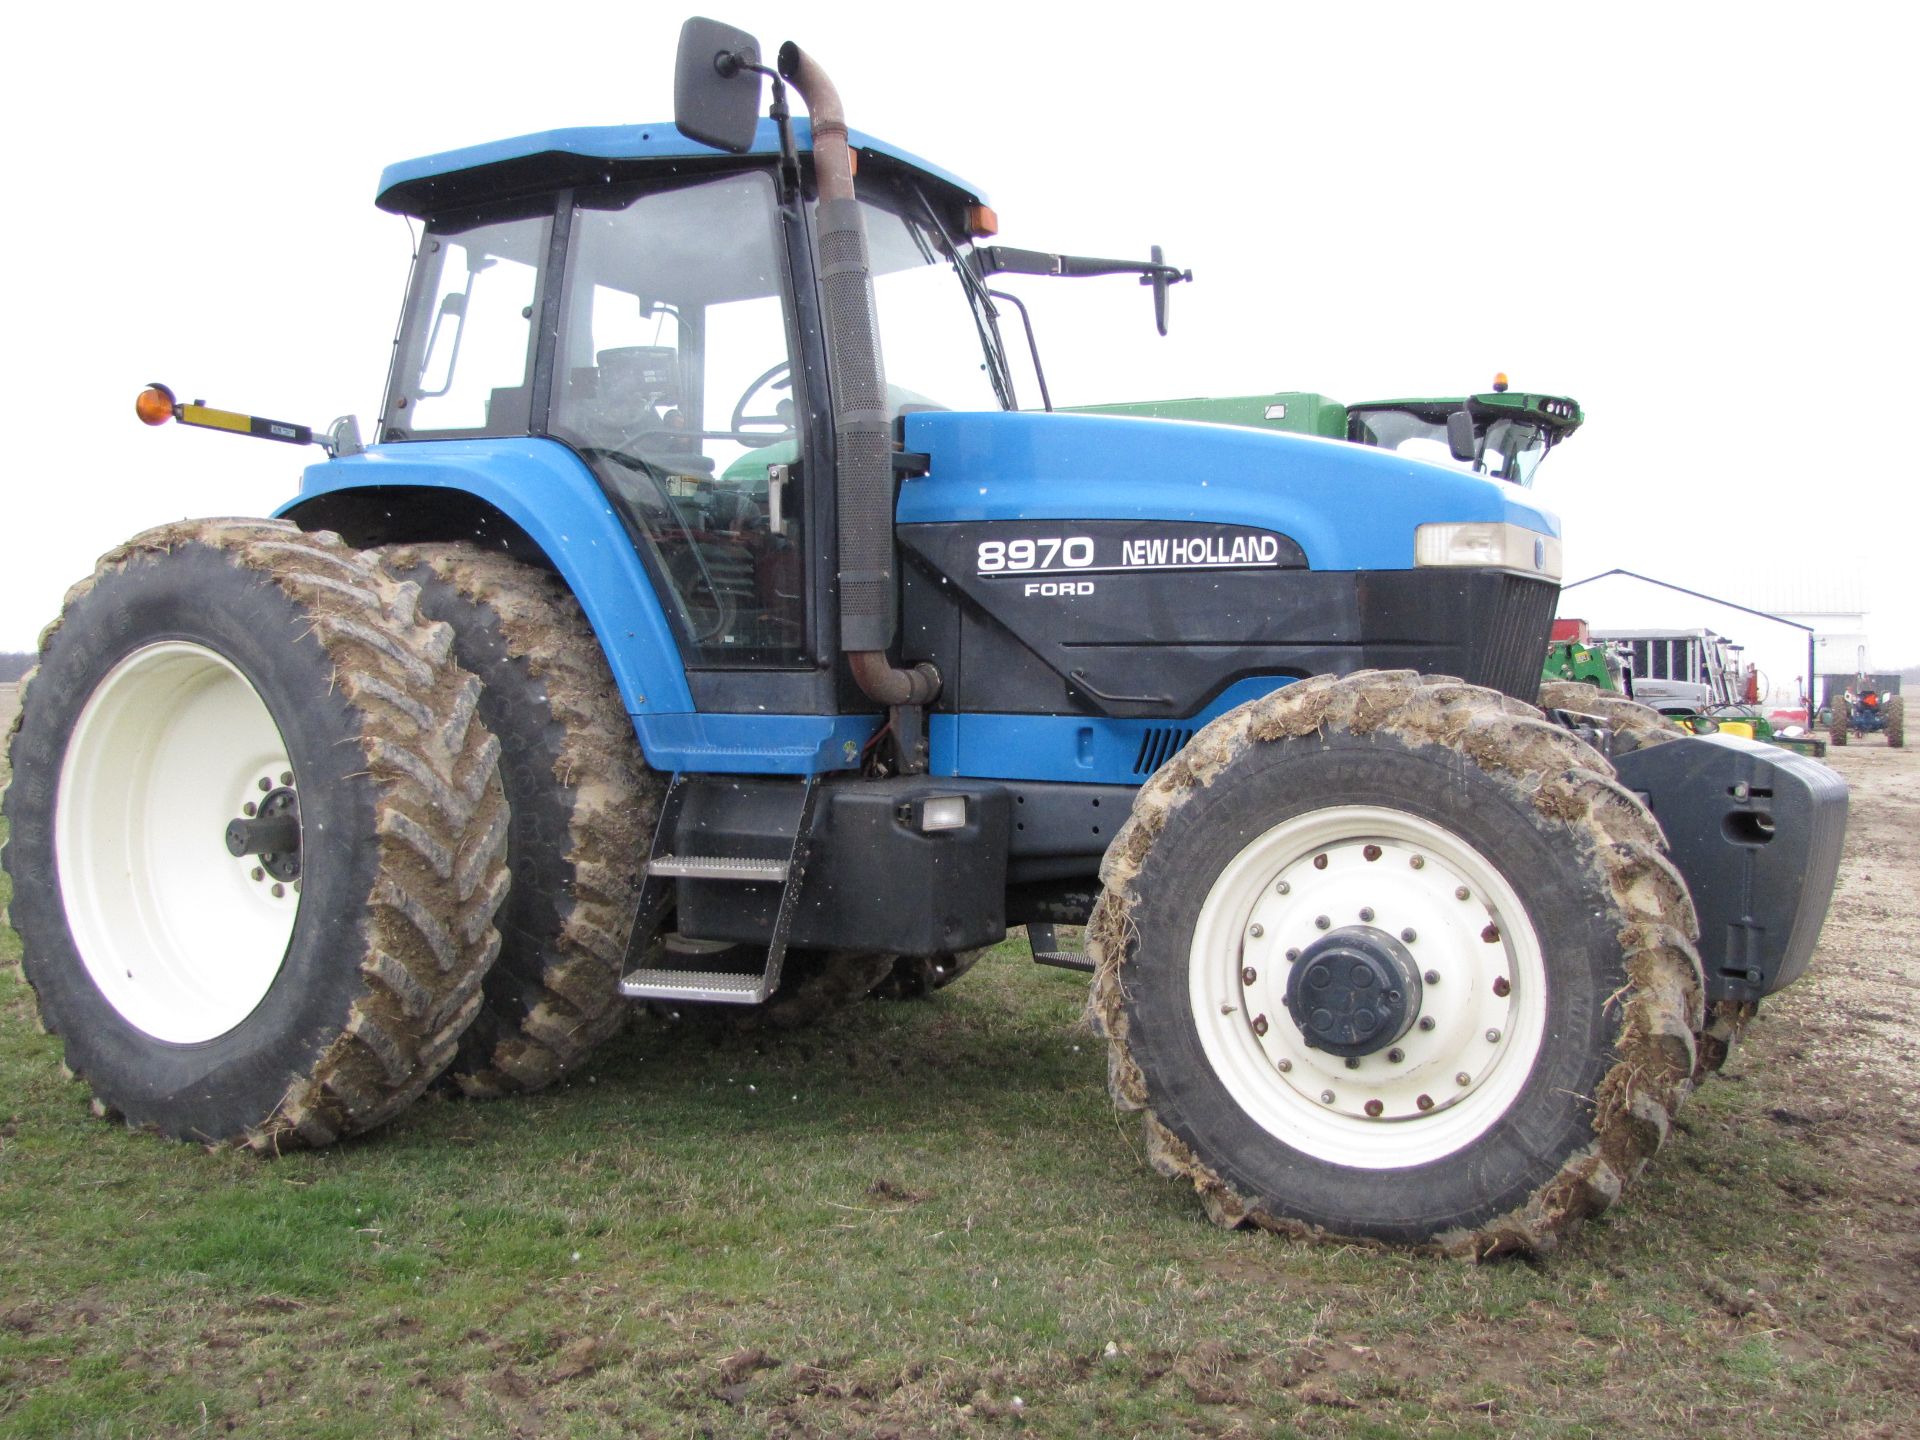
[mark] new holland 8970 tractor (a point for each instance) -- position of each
(707, 622)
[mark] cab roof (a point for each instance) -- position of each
(553, 159)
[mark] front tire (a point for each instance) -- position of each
(1420, 850)
(225, 673)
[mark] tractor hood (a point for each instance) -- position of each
(1348, 507)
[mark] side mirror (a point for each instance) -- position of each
(716, 98)
(1460, 438)
(1160, 287)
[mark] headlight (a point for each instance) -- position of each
(1490, 545)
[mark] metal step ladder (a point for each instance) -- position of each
(645, 977)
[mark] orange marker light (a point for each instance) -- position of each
(154, 405)
(1500, 381)
(982, 222)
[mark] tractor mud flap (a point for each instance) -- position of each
(1757, 832)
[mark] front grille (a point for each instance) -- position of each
(1511, 648)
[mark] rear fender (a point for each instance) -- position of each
(543, 488)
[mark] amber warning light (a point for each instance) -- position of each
(154, 405)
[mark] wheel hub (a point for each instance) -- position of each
(270, 830)
(1354, 991)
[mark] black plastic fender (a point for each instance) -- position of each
(1757, 831)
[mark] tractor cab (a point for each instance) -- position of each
(1503, 433)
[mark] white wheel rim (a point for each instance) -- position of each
(1454, 1079)
(175, 932)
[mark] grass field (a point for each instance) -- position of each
(923, 1219)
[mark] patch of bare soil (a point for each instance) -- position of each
(1840, 1052)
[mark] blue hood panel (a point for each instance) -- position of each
(1350, 507)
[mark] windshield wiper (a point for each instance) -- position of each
(985, 318)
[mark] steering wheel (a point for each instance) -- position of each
(779, 377)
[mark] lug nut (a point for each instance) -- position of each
(279, 890)
(1418, 862)
(1408, 935)
(286, 777)
(1247, 976)
(1283, 888)
(1259, 1024)
(1396, 1055)
(1326, 1097)
(1353, 1062)
(1427, 1022)
(1292, 955)
(1283, 1066)
(1372, 852)
(1256, 931)
(1432, 977)
(1502, 987)
(249, 809)
(1460, 893)
(258, 873)
(265, 784)
(1493, 1037)
(1321, 922)
(1320, 862)
(1491, 934)
(1425, 1102)
(1374, 1109)
(1366, 912)
(1462, 1078)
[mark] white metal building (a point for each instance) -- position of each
(1773, 636)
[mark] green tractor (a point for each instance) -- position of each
(1503, 433)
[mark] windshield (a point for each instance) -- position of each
(1509, 449)
(938, 338)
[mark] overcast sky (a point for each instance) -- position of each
(1697, 220)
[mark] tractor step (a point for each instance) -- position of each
(714, 987)
(715, 813)
(717, 867)
(1046, 950)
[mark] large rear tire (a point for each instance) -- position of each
(1839, 720)
(1894, 709)
(583, 803)
(237, 673)
(1323, 872)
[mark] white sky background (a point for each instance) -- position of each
(1697, 220)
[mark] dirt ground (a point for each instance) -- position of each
(1842, 1048)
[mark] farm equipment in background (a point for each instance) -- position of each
(1696, 678)
(666, 648)
(1869, 711)
(1573, 655)
(1502, 433)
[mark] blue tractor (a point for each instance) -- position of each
(708, 625)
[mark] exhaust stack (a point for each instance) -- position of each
(862, 444)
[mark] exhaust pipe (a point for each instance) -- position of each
(863, 446)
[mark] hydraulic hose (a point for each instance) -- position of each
(863, 482)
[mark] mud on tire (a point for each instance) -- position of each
(583, 810)
(1639, 724)
(1448, 789)
(204, 665)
